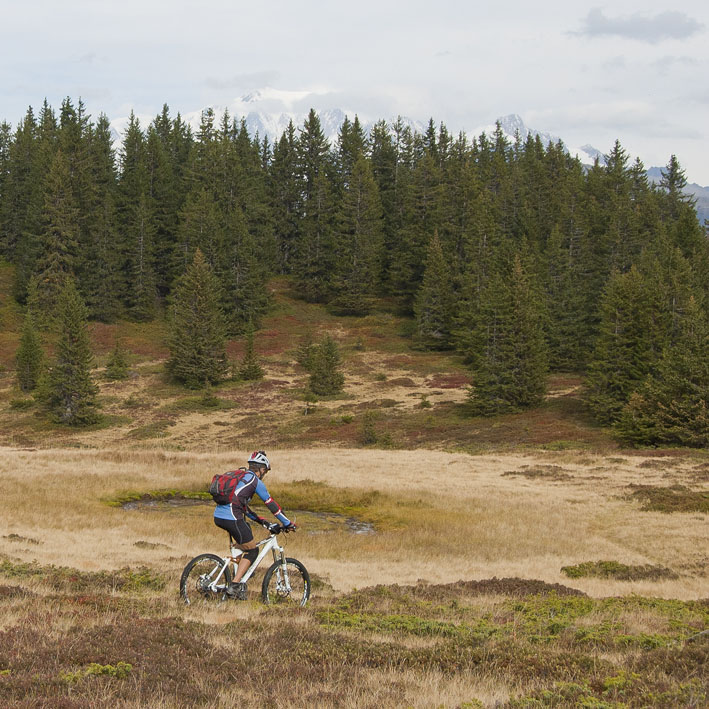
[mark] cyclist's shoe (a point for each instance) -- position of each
(237, 591)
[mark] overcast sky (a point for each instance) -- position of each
(636, 71)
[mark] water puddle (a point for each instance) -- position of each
(151, 504)
(309, 522)
(324, 522)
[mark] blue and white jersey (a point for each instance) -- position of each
(239, 506)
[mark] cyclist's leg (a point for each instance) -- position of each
(243, 538)
(245, 542)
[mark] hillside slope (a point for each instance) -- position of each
(394, 396)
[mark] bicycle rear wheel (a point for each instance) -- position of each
(289, 585)
(197, 578)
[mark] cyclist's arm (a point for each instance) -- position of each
(272, 505)
(254, 517)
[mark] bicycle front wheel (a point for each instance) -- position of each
(289, 584)
(197, 584)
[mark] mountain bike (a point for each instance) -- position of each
(207, 577)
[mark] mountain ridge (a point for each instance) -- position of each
(268, 112)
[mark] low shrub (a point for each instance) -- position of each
(119, 671)
(676, 498)
(156, 429)
(544, 472)
(133, 496)
(21, 404)
(65, 578)
(619, 572)
(22, 540)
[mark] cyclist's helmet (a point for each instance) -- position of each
(260, 458)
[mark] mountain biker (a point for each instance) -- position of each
(231, 517)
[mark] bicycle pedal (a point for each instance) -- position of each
(237, 591)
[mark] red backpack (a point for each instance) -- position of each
(224, 484)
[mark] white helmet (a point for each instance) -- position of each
(260, 458)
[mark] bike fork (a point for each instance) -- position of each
(282, 570)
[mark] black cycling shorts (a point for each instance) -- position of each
(239, 530)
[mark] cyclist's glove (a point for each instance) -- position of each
(274, 527)
(290, 528)
(264, 522)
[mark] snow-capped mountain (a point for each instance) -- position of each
(513, 125)
(268, 112)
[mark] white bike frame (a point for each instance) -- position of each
(269, 544)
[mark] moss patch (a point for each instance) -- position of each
(207, 402)
(65, 578)
(619, 572)
(543, 472)
(676, 498)
(313, 496)
(130, 496)
(156, 429)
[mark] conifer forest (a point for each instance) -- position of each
(512, 254)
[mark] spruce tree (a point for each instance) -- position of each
(117, 364)
(29, 358)
(672, 184)
(482, 251)
(141, 298)
(197, 329)
(5, 144)
(204, 158)
(71, 392)
(252, 193)
(314, 260)
(99, 267)
(30, 156)
(246, 297)
(200, 228)
(383, 160)
(566, 303)
(421, 201)
(434, 306)
(314, 264)
(40, 318)
(286, 198)
(358, 242)
(76, 139)
(60, 236)
(351, 146)
(163, 165)
(137, 226)
(305, 351)
(512, 369)
(325, 375)
(250, 369)
(672, 404)
(672, 281)
(622, 355)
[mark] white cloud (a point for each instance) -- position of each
(639, 26)
(666, 64)
(461, 63)
(240, 82)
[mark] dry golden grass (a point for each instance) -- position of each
(440, 517)
(445, 524)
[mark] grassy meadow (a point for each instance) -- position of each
(521, 561)
(455, 596)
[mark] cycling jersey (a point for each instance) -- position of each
(249, 485)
